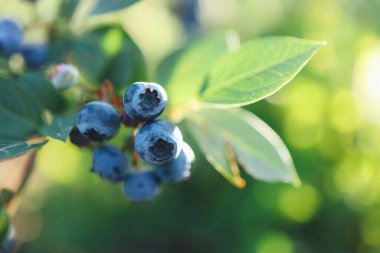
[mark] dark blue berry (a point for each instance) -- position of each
(11, 37)
(144, 101)
(141, 186)
(187, 11)
(128, 121)
(35, 55)
(158, 142)
(99, 121)
(110, 163)
(79, 139)
(178, 169)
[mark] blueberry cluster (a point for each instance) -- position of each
(157, 144)
(11, 42)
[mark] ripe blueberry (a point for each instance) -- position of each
(187, 11)
(99, 121)
(110, 163)
(144, 101)
(178, 169)
(128, 121)
(79, 139)
(64, 76)
(141, 186)
(158, 142)
(10, 37)
(35, 55)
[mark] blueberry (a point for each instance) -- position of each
(178, 169)
(145, 101)
(35, 55)
(64, 76)
(11, 37)
(110, 163)
(79, 139)
(187, 11)
(128, 121)
(98, 121)
(158, 142)
(141, 186)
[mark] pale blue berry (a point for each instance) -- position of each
(110, 163)
(178, 169)
(141, 186)
(99, 121)
(64, 76)
(158, 142)
(144, 101)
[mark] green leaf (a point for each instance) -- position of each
(217, 152)
(20, 111)
(10, 149)
(60, 126)
(107, 52)
(38, 84)
(104, 6)
(67, 8)
(81, 52)
(6, 195)
(255, 71)
(4, 224)
(127, 66)
(183, 72)
(259, 150)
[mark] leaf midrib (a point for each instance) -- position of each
(238, 142)
(256, 71)
(225, 172)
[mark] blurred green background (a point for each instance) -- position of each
(328, 116)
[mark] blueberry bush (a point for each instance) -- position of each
(87, 82)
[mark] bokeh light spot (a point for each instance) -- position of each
(113, 41)
(275, 242)
(299, 204)
(62, 163)
(367, 84)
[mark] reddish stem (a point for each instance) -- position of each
(90, 90)
(116, 101)
(103, 93)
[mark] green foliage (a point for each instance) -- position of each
(127, 64)
(334, 147)
(38, 85)
(185, 69)
(4, 223)
(255, 71)
(106, 52)
(20, 111)
(117, 57)
(67, 8)
(206, 74)
(226, 134)
(216, 150)
(60, 126)
(13, 148)
(104, 6)
(214, 71)
(6, 195)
